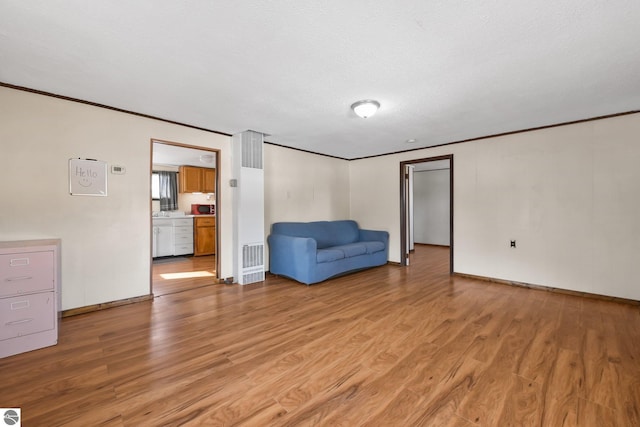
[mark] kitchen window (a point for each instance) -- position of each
(155, 186)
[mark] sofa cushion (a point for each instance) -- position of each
(325, 233)
(374, 246)
(328, 255)
(353, 249)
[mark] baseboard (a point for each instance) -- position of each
(105, 305)
(551, 289)
(431, 244)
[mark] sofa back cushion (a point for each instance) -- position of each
(325, 233)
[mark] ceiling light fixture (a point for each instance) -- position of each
(365, 108)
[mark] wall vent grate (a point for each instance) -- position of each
(253, 255)
(252, 150)
(255, 277)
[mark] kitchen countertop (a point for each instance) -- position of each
(182, 216)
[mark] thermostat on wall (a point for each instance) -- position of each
(118, 170)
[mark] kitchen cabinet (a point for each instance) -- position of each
(204, 235)
(29, 295)
(182, 236)
(172, 236)
(162, 237)
(208, 180)
(197, 180)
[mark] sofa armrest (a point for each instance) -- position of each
(292, 256)
(295, 244)
(373, 235)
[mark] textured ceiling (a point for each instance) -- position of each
(443, 71)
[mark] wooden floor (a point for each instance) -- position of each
(177, 274)
(390, 346)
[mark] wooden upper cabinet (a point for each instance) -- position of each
(208, 180)
(197, 180)
(189, 179)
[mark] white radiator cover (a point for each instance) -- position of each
(248, 207)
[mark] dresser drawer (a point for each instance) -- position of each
(27, 314)
(26, 272)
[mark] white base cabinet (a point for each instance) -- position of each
(162, 237)
(172, 236)
(29, 295)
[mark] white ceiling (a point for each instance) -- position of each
(442, 71)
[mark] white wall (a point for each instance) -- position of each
(105, 240)
(300, 186)
(568, 195)
(431, 207)
(375, 197)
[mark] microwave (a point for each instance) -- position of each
(198, 209)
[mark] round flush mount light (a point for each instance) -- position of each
(365, 108)
(411, 141)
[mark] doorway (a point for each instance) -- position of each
(181, 264)
(408, 170)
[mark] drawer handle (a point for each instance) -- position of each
(19, 305)
(18, 322)
(16, 279)
(16, 262)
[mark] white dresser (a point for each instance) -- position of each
(29, 295)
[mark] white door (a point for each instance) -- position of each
(411, 237)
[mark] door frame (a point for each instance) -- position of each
(217, 201)
(404, 256)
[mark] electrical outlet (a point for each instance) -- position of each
(513, 243)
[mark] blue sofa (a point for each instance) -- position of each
(311, 252)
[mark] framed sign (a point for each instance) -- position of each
(87, 177)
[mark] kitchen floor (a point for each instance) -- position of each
(177, 274)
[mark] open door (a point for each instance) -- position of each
(409, 238)
(188, 266)
(408, 170)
